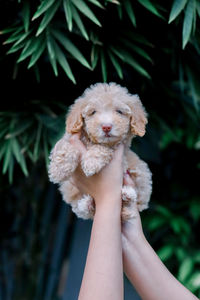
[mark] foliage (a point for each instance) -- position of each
(84, 42)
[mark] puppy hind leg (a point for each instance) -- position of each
(64, 159)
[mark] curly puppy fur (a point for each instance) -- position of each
(106, 115)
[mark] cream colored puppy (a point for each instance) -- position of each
(106, 115)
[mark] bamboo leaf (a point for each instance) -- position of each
(68, 13)
(94, 56)
(63, 63)
(165, 252)
(82, 6)
(48, 16)
(130, 12)
(71, 48)
(10, 170)
(14, 36)
(45, 4)
(149, 6)
(132, 62)
(116, 65)
(117, 52)
(37, 53)
(103, 66)
(185, 269)
(136, 49)
(37, 142)
(16, 149)
(97, 3)
(79, 23)
(52, 56)
(26, 15)
(7, 157)
(177, 7)
(23, 165)
(188, 20)
(31, 47)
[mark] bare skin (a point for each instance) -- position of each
(103, 274)
(145, 270)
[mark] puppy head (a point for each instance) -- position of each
(107, 113)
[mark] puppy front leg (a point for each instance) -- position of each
(95, 158)
(64, 159)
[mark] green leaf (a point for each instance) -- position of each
(7, 157)
(82, 6)
(16, 149)
(63, 63)
(37, 53)
(130, 12)
(132, 62)
(23, 37)
(177, 7)
(68, 13)
(116, 65)
(23, 165)
(149, 6)
(26, 14)
(94, 56)
(188, 21)
(10, 170)
(166, 252)
(164, 211)
(45, 4)
(37, 142)
(156, 222)
(15, 48)
(194, 93)
(117, 52)
(103, 66)
(18, 129)
(32, 46)
(79, 23)
(185, 269)
(49, 14)
(71, 48)
(97, 3)
(136, 49)
(52, 56)
(15, 36)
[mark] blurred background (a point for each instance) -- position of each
(50, 51)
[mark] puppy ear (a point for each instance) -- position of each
(74, 120)
(138, 117)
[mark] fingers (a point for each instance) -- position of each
(127, 180)
(75, 140)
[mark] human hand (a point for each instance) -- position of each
(131, 229)
(105, 186)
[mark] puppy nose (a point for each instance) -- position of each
(106, 127)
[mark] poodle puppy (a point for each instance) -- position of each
(106, 115)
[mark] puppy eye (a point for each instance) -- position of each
(119, 111)
(93, 112)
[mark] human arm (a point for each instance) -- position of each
(146, 272)
(103, 274)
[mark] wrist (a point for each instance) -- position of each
(109, 205)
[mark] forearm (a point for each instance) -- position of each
(103, 274)
(148, 274)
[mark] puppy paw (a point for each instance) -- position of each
(95, 159)
(128, 213)
(84, 208)
(128, 194)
